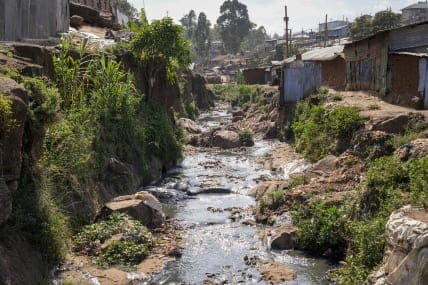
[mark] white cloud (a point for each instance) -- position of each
(304, 14)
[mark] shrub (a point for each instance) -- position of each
(246, 137)
(133, 247)
(6, 120)
(412, 133)
(343, 121)
(418, 173)
(316, 129)
(123, 253)
(191, 111)
(319, 227)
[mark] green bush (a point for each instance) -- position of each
(343, 121)
(133, 247)
(319, 227)
(6, 120)
(191, 111)
(418, 174)
(246, 137)
(316, 129)
(123, 253)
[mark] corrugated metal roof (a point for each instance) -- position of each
(419, 5)
(319, 54)
(411, 54)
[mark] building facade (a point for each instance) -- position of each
(415, 13)
(33, 19)
(392, 63)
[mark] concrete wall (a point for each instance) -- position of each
(32, 19)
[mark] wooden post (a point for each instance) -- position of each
(326, 31)
(286, 19)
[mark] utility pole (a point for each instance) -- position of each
(286, 19)
(326, 31)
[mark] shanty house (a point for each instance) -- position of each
(33, 19)
(304, 74)
(393, 63)
(254, 76)
(415, 13)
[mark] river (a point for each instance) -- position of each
(216, 245)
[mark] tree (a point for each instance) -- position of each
(234, 24)
(255, 39)
(189, 24)
(385, 20)
(361, 27)
(202, 36)
(161, 52)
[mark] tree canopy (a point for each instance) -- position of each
(234, 24)
(202, 36)
(161, 50)
(125, 7)
(255, 39)
(365, 25)
(189, 24)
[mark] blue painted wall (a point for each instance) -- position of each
(300, 80)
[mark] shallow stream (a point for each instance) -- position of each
(216, 245)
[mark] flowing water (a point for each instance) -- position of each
(216, 245)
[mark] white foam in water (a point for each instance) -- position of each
(295, 167)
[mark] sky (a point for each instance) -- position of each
(304, 14)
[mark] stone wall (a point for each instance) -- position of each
(33, 19)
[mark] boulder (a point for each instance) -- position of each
(406, 251)
(415, 149)
(11, 144)
(142, 206)
(371, 144)
(284, 238)
(276, 273)
(5, 201)
(395, 125)
(76, 21)
(226, 139)
(189, 126)
(238, 113)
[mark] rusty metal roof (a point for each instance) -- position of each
(319, 54)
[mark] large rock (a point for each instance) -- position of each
(395, 125)
(406, 252)
(415, 149)
(226, 139)
(76, 21)
(284, 238)
(142, 206)
(276, 273)
(189, 126)
(11, 144)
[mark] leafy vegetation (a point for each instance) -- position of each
(243, 96)
(134, 245)
(234, 24)
(316, 128)
(90, 113)
(319, 228)
(5, 114)
(413, 132)
(365, 25)
(161, 52)
(246, 137)
(390, 185)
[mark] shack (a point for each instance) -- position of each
(33, 19)
(392, 63)
(253, 76)
(306, 73)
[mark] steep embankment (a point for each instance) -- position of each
(369, 159)
(69, 145)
